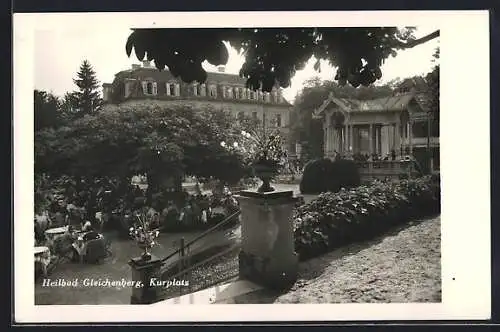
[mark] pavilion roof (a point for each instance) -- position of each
(397, 102)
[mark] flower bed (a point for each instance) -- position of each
(336, 219)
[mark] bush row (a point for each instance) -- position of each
(323, 175)
(336, 219)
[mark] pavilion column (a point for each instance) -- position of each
(377, 132)
(346, 138)
(331, 138)
(325, 140)
(395, 140)
(384, 138)
(410, 136)
(403, 137)
(327, 132)
(335, 138)
(351, 139)
(370, 139)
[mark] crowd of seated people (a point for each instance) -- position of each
(107, 203)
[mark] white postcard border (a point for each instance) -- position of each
(465, 164)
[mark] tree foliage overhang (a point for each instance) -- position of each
(273, 55)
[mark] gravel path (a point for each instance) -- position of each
(400, 267)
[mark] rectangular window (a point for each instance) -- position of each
(213, 91)
(252, 93)
(229, 92)
(203, 90)
(171, 89)
(149, 88)
(254, 115)
(278, 120)
(195, 90)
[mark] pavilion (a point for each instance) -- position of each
(375, 127)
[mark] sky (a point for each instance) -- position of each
(60, 52)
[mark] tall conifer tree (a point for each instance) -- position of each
(88, 97)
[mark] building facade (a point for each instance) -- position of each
(398, 125)
(146, 84)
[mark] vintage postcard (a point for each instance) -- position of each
(323, 165)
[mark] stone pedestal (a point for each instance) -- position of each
(143, 273)
(268, 254)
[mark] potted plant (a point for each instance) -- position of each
(144, 234)
(263, 151)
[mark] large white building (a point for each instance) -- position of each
(146, 84)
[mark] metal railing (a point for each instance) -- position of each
(221, 258)
(185, 246)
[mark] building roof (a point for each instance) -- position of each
(393, 103)
(151, 72)
(165, 75)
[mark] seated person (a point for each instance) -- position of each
(91, 235)
(87, 227)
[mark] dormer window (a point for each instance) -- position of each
(149, 88)
(278, 120)
(213, 91)
(173, 89)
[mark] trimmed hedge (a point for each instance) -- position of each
(337, 219)
(323, 175)
(343, 173)
(315, 174)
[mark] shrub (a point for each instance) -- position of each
(336, 219)
(315, 174)
(343, 173)
(323, 175)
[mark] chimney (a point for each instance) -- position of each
(136, 66)
(146, 64)
(221, 69)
